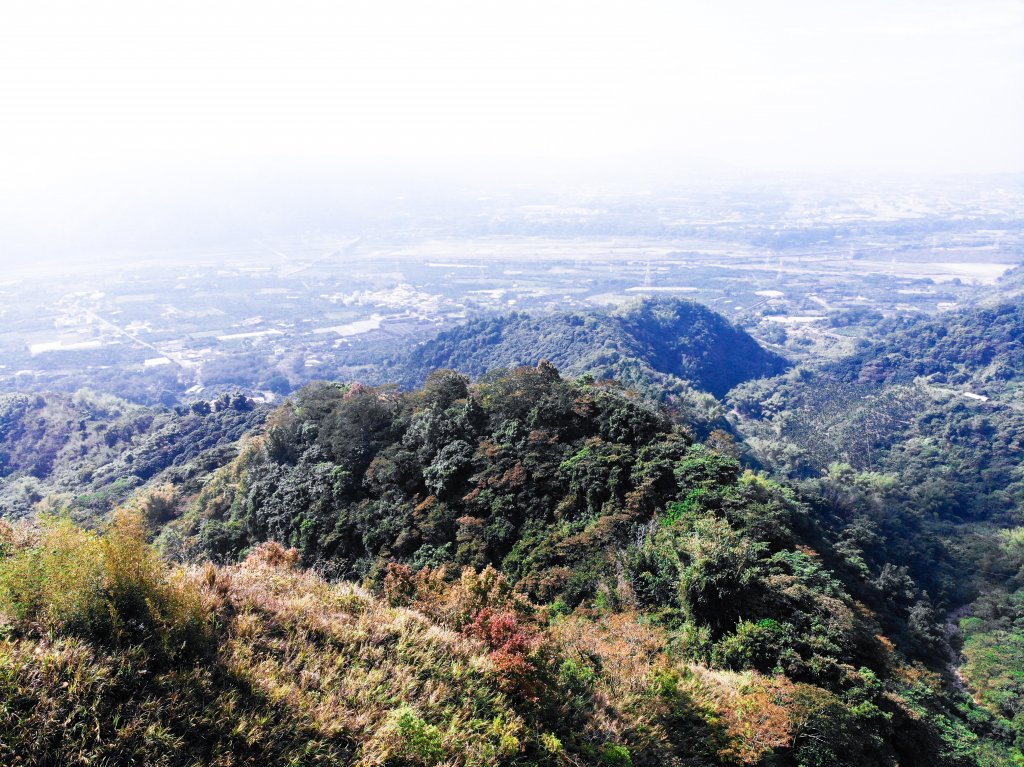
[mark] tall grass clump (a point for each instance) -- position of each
(108, 587)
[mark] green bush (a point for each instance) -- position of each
(754, 645)
(415, 740)
(614, 755)
(111, 588)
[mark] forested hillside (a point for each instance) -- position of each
(1011, 284)
(977, 347)
(930, 416)
(594, 506)
(936, 401)
(656, 346)
(88, 452)
(533, 567)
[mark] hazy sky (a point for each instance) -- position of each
(126, 89)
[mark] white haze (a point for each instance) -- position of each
(107, 103)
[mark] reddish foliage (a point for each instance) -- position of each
(516, 673)
(355, 390)
(539, 436)
(489, 449)
(399, 585)
(547, 585)
(514, 477)
(584, 406)
(511, 642)
(427, 502)
(502, 631)
(273, 554)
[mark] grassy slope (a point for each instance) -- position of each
(263, 663)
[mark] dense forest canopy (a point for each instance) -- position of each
(90, 451)
(935, 402)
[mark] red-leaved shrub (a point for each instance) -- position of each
(512, 643)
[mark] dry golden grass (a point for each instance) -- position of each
(112, 656)
(349, 661)
(296, 670)
(641, 693)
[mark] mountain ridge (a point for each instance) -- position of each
(650, 344)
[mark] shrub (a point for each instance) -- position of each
(614, 755)
(576, 677)
(413, 739)
(754, 645)
(110, 588)
(551, 744)
(512, 643)
(273, 554)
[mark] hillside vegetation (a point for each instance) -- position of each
(89, 451)
(936, 402)
(931, 417)
(109, 655)
(656, 346)
(594, 509)
(535, 567)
